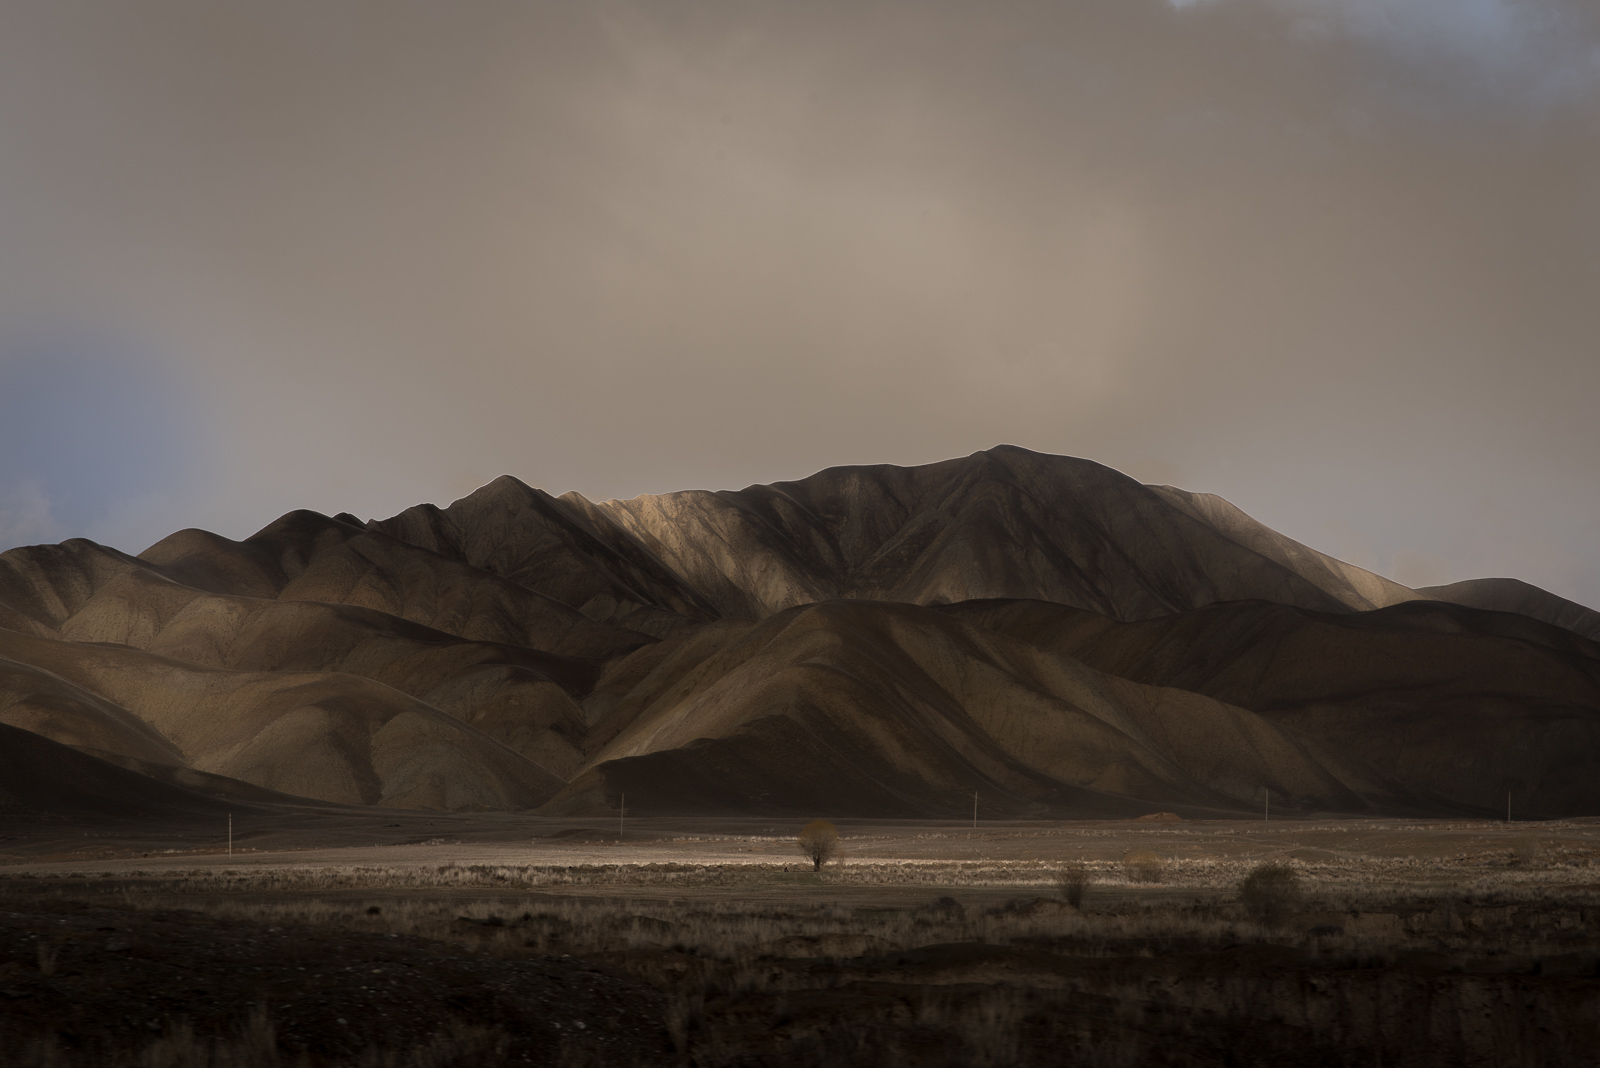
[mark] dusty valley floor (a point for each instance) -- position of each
(347, 937)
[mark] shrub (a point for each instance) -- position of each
(1143, 867)
(1073, 882)
(819, 841)
(1270, 890)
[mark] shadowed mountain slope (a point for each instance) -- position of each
(1455, 701)
(42, 777)
(893, 709)
(319, 735)
(36, 699)
(562, 549)
(1001, 523)
(1350, 585)
(305, 556)
(1512, 595)
(867, 641)
(522, 697)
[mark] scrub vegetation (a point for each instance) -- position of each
(819, 841)
(907, 963)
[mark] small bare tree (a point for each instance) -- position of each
(819, 840)
(1073, 882)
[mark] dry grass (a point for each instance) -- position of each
(463, 1045)
(535, 911)
(1143, 866)
(761, 964)
(1502, 872)
(1270, 891)
(739, 973)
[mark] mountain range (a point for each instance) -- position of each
(1041, 631)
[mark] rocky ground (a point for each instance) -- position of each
(1402, 944)
(95, 984)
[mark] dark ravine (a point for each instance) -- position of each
(869, 641)
(39, 777)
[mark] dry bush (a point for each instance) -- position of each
(46, 957)
(819, 841)
(1270, 890)
(179, 1048)
(1144, 867)
(1073, 882)
(992, 1027)
(579, 1053)
(44, 1052)
(461, 1046)
(685, 1016)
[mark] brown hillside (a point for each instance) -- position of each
(889, 709)
(870, 640)
(1459, 702)
(320, 735)
(42, 777)
(1512, 595)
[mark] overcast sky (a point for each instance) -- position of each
(1336, 260)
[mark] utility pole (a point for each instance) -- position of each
(622, 810)
(974, 810)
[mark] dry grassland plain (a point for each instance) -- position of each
(404, 939)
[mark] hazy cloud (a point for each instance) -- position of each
(1412, 567)
(1153, 471)
(360, 255)
(25, 517)
(1344, 541)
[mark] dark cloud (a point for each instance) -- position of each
(1332, 260)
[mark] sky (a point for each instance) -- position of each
(1335, 260)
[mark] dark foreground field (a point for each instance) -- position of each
(1407, 944)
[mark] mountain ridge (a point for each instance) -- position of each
(885, 640)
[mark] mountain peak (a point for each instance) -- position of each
(1040, 628)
